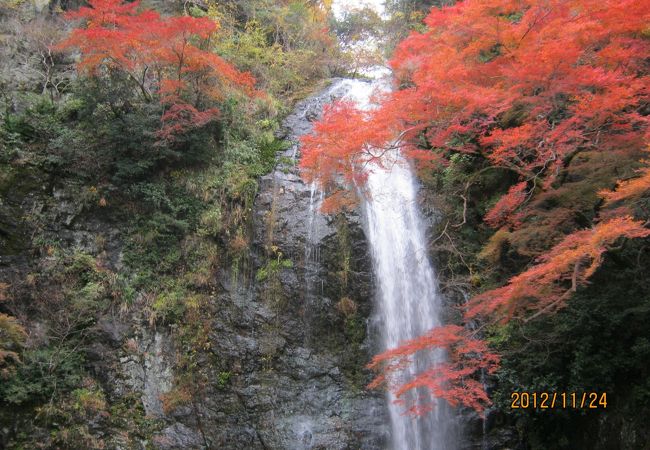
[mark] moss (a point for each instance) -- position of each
(353, 353)
(223, 379)
(211, 222)
(344, 254)
(355, 329)
(127, 413)
(269, 274)
(494, 250)
(16, 183)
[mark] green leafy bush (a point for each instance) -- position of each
(44, 373)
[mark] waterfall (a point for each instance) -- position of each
(408, 301)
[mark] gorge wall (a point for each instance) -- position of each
(288, 329)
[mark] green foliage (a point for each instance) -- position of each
(355, 329)
(182, 208)
(12, 333)
(357, 25)
(127, 413)
(282, 44)
(81, 264)
(514, 16)
(169, 305)
(201, 258)
(223, 379)
(211, 222)
(40, 120)
(45, 372)
(490, 53)
(269, 148)
(269, 277)
(406, 16)
(272, 268)
(77, 288)
(344, 254)
(12, 338)
(10, 143)
(167, 213)
(352, 350)
(354, 30)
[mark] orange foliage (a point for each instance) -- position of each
(163, 56)
(559, 272)
(181, 117)
(527, 85)
(452, 380)
(573, 69)
(12, 337)
(629, 189)
(342, 143)
(543, 288)
(504, 208)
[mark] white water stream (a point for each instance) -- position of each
(408, 302)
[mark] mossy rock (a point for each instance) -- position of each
(16, 183)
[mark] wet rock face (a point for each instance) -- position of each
(150, 370)
(286, 360)
(16, 196)
(286, 356)
(295, 355)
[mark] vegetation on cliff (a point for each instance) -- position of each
(150, 125)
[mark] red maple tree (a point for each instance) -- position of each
(526, 85)
(167, 58)
(453, 380)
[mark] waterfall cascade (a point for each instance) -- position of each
(408, 302)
